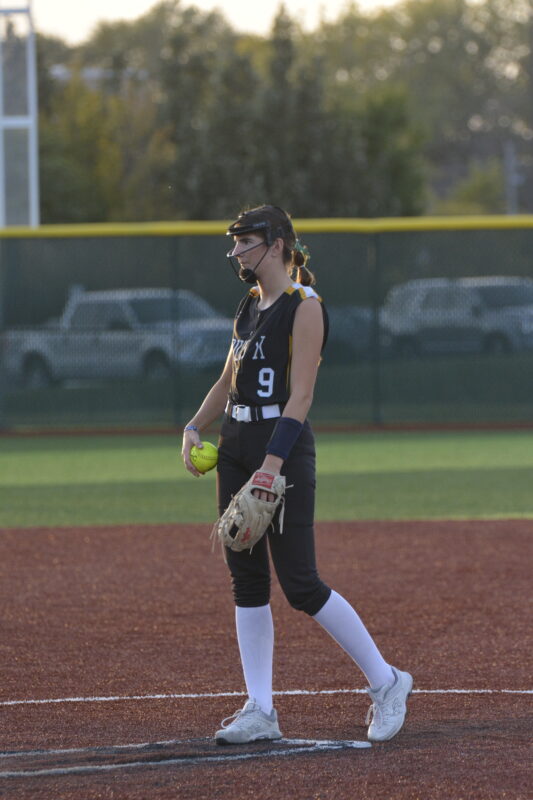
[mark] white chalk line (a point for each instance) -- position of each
(98, 749)
(115, 748)
(215, 695)
(296, 747)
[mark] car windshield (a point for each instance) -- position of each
(504, 296)
(151, 310)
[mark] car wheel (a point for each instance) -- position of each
(497, 344)
(406, 347)
(157, 367)
(36, 373)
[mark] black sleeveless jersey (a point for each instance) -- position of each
(262, 347)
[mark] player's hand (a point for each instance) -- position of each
(271, 464)
(190, 439)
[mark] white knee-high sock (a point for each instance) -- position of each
(255, 633)
(343, 623)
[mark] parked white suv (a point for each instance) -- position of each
(462, 315)
(121, 333)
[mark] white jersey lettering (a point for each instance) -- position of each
(258, 353)
(239, 349)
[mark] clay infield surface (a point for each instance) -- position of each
(119, 660)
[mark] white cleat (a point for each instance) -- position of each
(249, 724)
(389, 707)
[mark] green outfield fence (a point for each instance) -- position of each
(431, 321)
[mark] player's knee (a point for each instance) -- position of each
(249, 594)
(309, 600)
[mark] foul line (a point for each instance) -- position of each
(215, 695)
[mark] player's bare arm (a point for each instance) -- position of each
(307, 337)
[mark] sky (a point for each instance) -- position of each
(73, 20)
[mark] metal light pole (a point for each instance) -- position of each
(19, 138)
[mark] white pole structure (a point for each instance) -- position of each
(33, 111)
(25, 122)
(2, 147)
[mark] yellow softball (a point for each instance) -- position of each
(206, 458)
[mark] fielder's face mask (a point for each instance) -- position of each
(241, 228)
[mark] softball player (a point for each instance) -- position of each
(265, 392)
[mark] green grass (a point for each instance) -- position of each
(92, 480)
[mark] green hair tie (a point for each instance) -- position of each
(301, 248)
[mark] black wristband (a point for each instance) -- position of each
(284, 437)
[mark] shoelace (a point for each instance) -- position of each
(382, 712)
(369, 715)
(234, 717)
(378, 711)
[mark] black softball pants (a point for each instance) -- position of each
(241, 452)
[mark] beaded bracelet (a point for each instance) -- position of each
(190, 428)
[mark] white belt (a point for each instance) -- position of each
(253, 413)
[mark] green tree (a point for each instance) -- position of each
(465, 66)
(103, 157)
(392, 170)
(53, 55)
(177, 116)
(481, 192)
(131, 52)
(72, 138)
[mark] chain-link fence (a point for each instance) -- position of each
(431, 322)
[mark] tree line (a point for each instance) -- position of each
(425, 107)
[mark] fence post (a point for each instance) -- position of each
(3, 379)
(175, 268)
(374, 264)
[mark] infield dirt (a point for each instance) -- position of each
(131, 612)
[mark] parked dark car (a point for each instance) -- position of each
(463, 315)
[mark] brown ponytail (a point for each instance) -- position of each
(299, 258)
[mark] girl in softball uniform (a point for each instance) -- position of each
(265, 393)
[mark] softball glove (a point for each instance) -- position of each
(247, 517)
